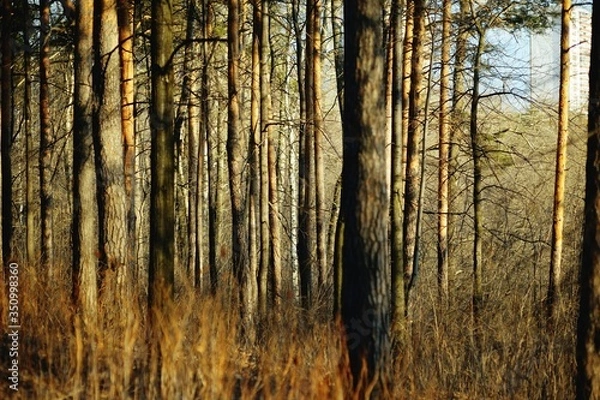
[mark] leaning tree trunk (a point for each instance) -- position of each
(365, 201)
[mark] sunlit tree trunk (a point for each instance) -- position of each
(396, 163)
(314, 46)
(554, 278)
(46, 141)
(443, 155)
(588, 328)
(85, 224)
(269, 160)
(125, 20)
(365, 201)
(108, 145)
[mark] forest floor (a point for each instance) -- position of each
(296, 355)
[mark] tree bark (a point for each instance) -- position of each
(237, 158)
(443, 155)
(46, 141)
(397, 167)
(85, 223)
(554, 278)
(108, 146)
(365, 201)
(30, 230)
(125, 20)
(162, 191)
(588, 327)
(6, 128)
(413, 165)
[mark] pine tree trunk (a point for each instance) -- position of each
(85, 223)
(46, 142)
(413, 164)
(30, 230)
(443, 155)
(397, 168)
(365, 202)
(554, 278)
(237, 150)
(588, 325)
(108, 147)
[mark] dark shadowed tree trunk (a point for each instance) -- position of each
(588, 328)
(6, 129)
(365, 202)
(162, 191)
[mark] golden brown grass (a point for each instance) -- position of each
(294, 357)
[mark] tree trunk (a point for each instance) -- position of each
(443, 155)
(365, 201)
(272, 200)
(415, 133)
(125, 20)
(396, 162)
(476, 154)
(30, 230)
(112, 205)
(319, 178)
(162, 191)
(85, 224)
(46, 142)
(237, 160)
(588, 327)
(554, 278)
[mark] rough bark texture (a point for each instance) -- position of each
(85, 224)
(365, 201)
(413, 164)
(162, 159)
(237, 158)
(46, 140)
(588, 329)
(554, 278)
(108, 147)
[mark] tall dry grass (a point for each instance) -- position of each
(296, 356)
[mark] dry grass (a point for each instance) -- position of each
(295, 357)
